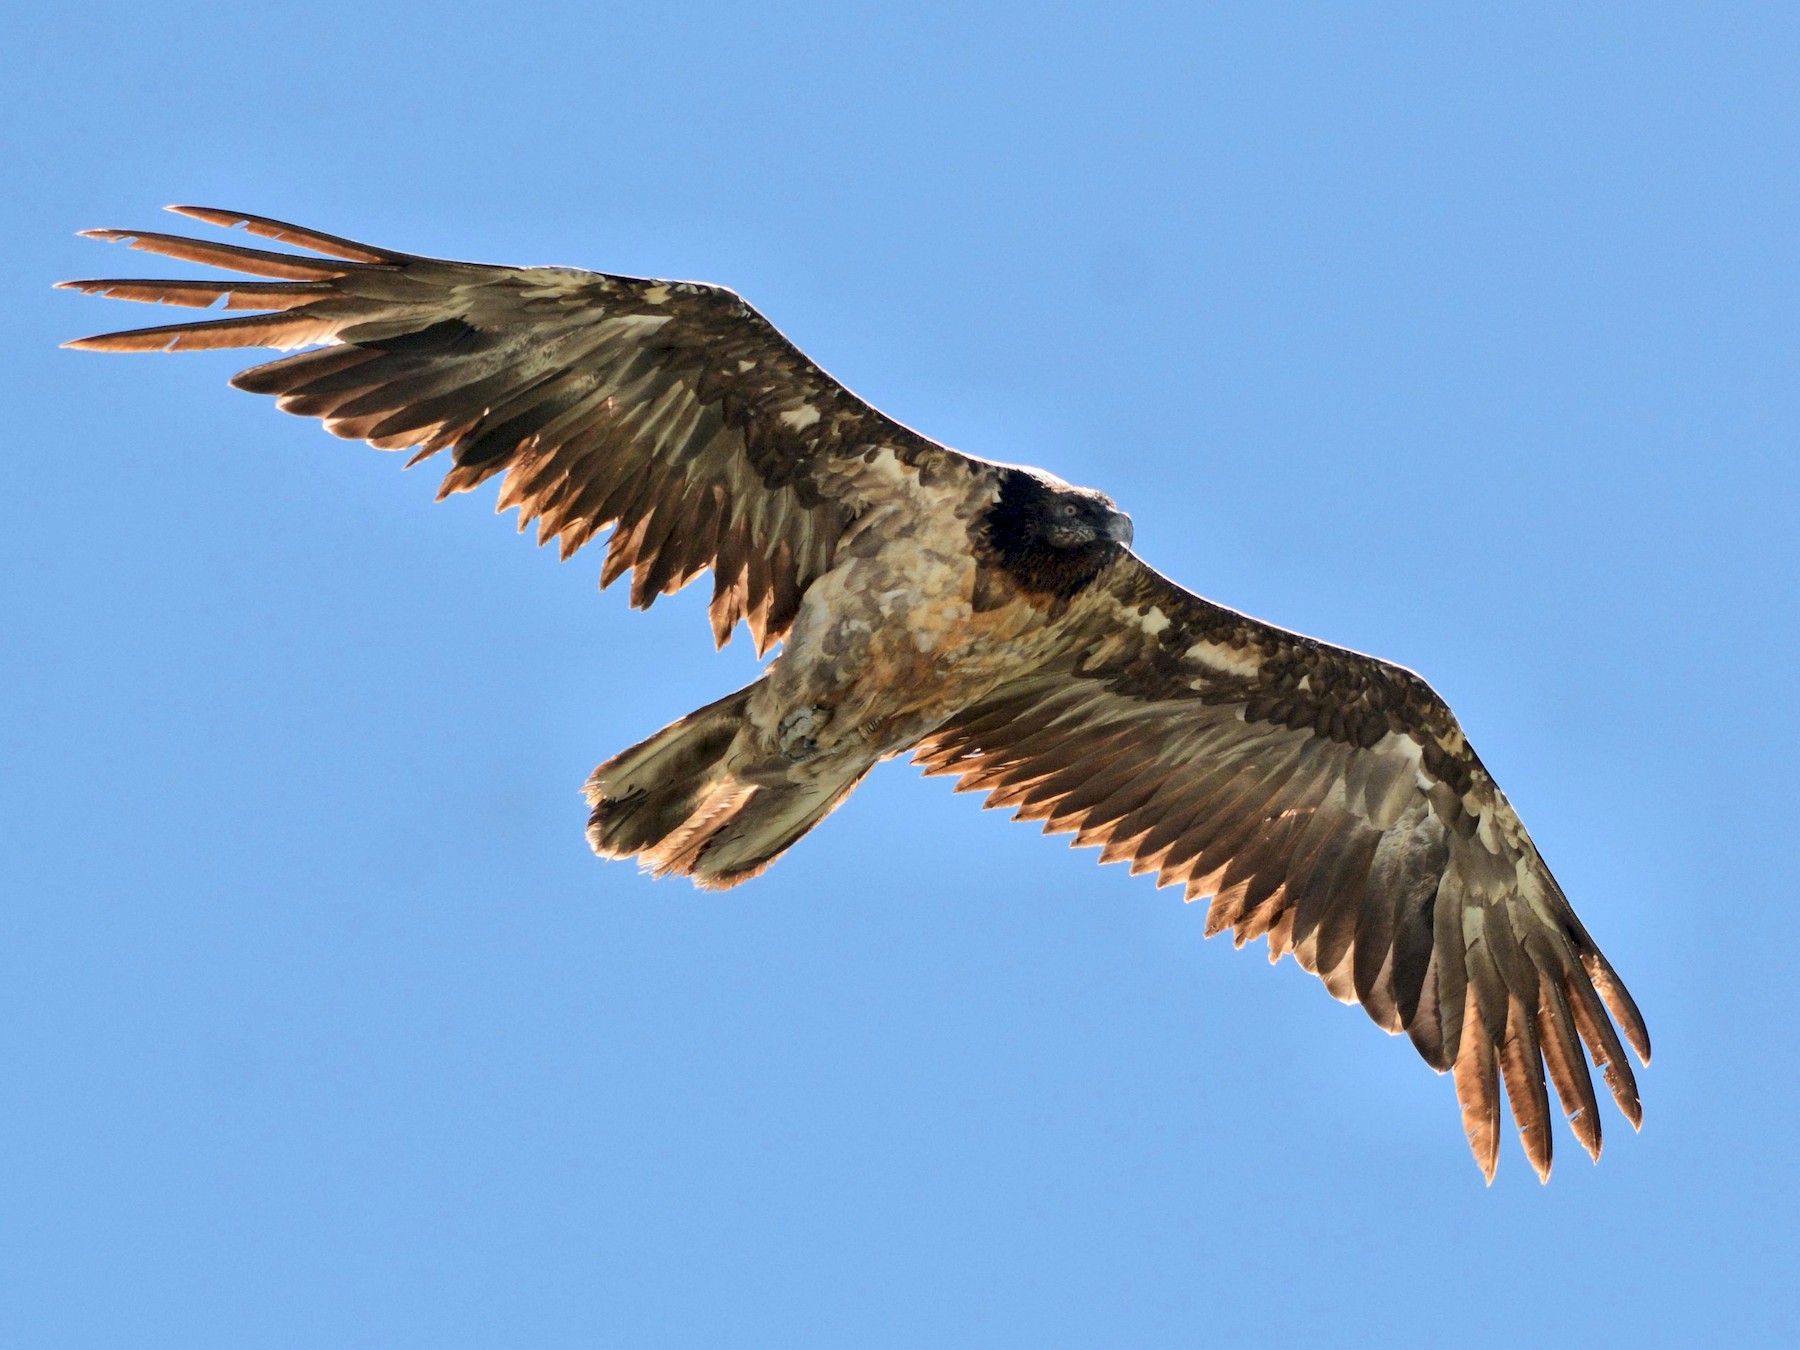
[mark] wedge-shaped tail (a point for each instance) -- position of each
(675, 803)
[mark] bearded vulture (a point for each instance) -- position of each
(990, 619)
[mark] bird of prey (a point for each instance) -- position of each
(990, 619)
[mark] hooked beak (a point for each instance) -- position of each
(1118, 528)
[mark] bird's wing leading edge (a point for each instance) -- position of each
(1327, 801)
(671, 411)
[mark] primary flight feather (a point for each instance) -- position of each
(990, 619)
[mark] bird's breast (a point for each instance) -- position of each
(893, 632)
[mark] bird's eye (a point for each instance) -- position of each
(1066, 509)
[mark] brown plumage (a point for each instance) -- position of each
(988, 619)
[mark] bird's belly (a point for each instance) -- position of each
(890, 644)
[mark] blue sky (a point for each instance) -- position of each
(1466, 336)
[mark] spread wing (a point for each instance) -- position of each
(1327, 801)
(669, 410)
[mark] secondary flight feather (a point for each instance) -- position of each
(989, 619)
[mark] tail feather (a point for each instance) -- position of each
(673, 802)
(641, 795)
(743, 828)
(679, 851)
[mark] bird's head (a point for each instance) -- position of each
(1052, 536)
(1036, 510)
(1078, 517)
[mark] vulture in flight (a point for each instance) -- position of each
(989, 619)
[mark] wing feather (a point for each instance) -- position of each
(1562, 1053)
(670, 412)
(205, 294)
(1330, 802)
(257, 262)
(281, 232)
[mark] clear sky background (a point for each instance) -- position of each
(1463, 335)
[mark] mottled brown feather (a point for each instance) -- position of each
(735, 451)
(1322, 798)
(1327, 800)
